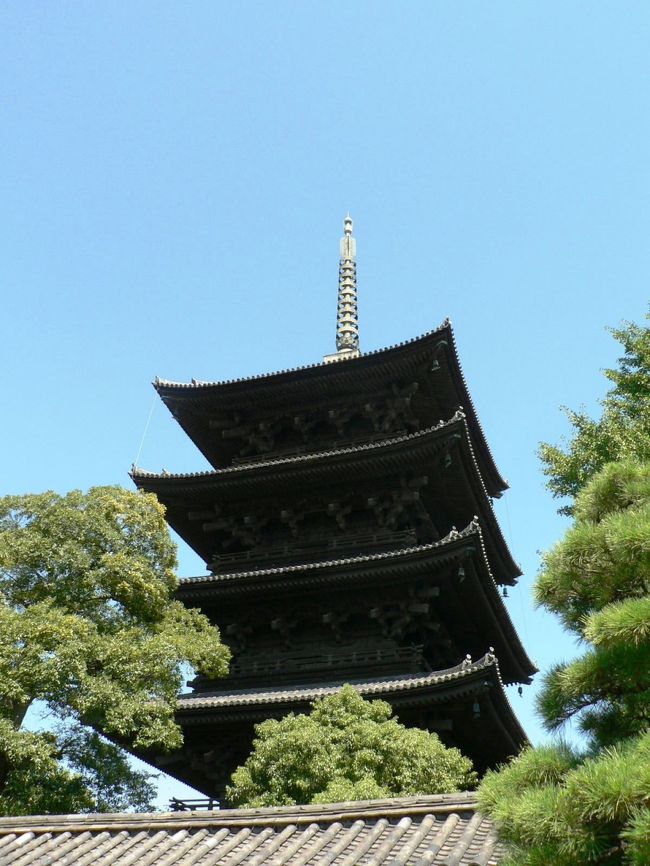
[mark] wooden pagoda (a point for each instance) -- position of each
(349, 535)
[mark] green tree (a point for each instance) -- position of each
(560, 805)
(347, 748)
(597, 580)
(623, 429)
(89, 628)
(555, 804)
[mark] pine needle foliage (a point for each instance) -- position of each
(347, 748)
(597, 579)
(89, 629)
(621, 432)
(553, 804)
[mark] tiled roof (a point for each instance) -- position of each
(197, 483)
(315, 456)
(470, 530)
(303, 693)
(438, 830)
(345, 569)
(160, 384)
(279, 386)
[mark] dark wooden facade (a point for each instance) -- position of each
(349, 535)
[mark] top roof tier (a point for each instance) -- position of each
(400, 389)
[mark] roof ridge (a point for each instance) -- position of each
(346, 811)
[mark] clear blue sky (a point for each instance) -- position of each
(173, 178)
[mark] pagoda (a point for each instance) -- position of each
(349, 537)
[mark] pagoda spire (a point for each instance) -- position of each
(347, 317)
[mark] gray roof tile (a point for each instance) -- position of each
(439, 830)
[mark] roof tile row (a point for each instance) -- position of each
(196, 383)
(312, 692)
(439, 830)
(297, 459)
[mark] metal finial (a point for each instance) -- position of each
(347, 317)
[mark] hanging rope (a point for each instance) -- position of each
(146, 428)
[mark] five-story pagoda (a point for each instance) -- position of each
(349, 536)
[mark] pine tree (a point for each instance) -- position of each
(555, 805)
(623, 429)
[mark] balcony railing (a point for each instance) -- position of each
(332, 548)
(202, 804)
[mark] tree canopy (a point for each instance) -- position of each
(622, 430)
(89, 628)
(597, 579)
(347, 748)
(561, 806)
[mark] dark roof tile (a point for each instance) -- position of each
(470, 530)
(160, 384)
(387, 685)
(298, 459)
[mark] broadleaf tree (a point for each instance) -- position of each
(347, 748)
(90, 633)
(568, 806)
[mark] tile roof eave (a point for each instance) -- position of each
(167, 388)
(320, 366)
(451, 538)
(443, 804)
(452, 542)
(145, 479)
(371, 688)
(137, 473)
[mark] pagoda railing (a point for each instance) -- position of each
(373, 662)
(204, 803)
(317, 547)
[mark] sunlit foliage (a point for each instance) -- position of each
(558, 806)
(623, 429)
(347, 748)
(89, 628)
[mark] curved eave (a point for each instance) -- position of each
(350, 376)
(254, 473)
(389, 687)
(439, 687)
(246, 480)
(408, 564)
(345, 569)
(290, 378)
